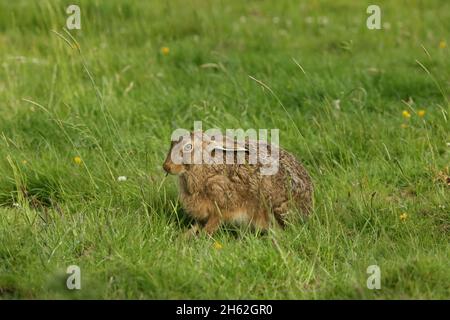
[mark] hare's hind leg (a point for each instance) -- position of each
(281, 213)
(261, 221)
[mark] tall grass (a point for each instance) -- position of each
(335, 89)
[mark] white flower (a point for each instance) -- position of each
(337, 104)
(15, 204)
(122, 178)
(323, 20)
(448, 144)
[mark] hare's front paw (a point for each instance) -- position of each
(212, 225)
(192, 231)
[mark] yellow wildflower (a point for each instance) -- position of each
(165, 50)
(442, 44)
(217, 245)
(406, 114)
(403, 216)
(77, 160)
(421, 113)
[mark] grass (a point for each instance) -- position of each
(114, 99)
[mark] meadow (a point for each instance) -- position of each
(85, 123)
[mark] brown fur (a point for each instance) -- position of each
(216, 193)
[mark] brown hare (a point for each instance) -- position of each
(218, 191)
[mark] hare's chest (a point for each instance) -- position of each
(198, 207)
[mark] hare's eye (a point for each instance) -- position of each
(187, 147)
